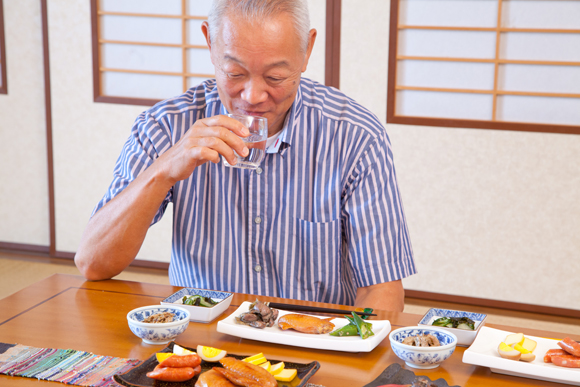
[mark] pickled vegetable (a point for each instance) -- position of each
(455, 322)
(198, 300)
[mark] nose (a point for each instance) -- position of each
(254, 91)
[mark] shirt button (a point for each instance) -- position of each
(258, 220)
(258, 268)
(259, 171)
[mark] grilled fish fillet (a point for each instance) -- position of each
(212, 378)
(245, 374)
(305, 324)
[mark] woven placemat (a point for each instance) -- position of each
(67, 366)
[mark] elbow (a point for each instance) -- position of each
(88, 268)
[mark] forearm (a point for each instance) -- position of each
(116, 232)
(388, 296)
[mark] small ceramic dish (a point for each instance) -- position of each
(201, 313)
(465, 337)
(157, 333)
(423, 357)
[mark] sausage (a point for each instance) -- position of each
(178, 361)
(212, 378)
(569, 361)
(169, 374)
(570, 346)
(552, 352)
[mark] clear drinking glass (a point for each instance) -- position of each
(256, 141)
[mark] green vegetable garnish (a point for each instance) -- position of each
(455, 322)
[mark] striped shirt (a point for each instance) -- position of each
(321, 217)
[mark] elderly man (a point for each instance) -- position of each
(321, 219)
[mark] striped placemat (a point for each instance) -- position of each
(67, 366)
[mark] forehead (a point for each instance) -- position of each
(275, 36)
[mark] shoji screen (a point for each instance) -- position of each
(500, 64)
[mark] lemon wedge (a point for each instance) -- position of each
(180, 351)
(277, 368)
(286, 375)
(266, 366)
(210, 353)
(256, 359)
(161, 356)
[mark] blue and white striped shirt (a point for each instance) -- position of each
(321, 217)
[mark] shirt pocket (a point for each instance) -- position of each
(317, 261)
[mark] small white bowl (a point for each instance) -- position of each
(422, 357)
(201, 313)
(157, 333)
(464, 337)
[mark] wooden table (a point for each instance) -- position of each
(65, 311)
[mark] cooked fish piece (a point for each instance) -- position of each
(212, 378)
(305, 323)
(245, 374)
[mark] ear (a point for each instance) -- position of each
(205, 30)
(311, 40)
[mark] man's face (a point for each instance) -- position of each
(258, 66)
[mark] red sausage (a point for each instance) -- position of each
(569, 361)
(570, 346)
(552, 352)
(169, 374)
(178, 361)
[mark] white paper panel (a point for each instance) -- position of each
(456, 75)
(141, 85)
(546, 110)
(194, 34)
(198, 61)
(194, 81)
(454, 44)
(540, 46)
(444, 105)
(198, 7)
(141, 29)
(480, 13)
(135, 57)
(165, 7)
(541, 14)
(555, 79)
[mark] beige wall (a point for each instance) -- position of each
(492, 214)
(23, 162)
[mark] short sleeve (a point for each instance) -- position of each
(147, 141)
(379, 247)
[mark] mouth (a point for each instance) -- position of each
(250, 112)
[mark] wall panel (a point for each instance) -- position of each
(491, 214)
(23, 160)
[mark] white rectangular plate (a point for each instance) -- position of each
(381, 329)
(483, 352)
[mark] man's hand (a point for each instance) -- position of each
(205, 141)
(386, 296)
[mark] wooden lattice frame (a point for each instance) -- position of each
(494, 123)
(3, 78)
(99, 69)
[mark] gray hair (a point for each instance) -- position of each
(258, 10)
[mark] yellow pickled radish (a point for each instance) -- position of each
(286, 375)
(256, 356)
(266, 366)
(277, 368)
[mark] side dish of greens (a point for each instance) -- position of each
(198, 300)
(455, 322)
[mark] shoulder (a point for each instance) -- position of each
(196, 98)
(333, 104)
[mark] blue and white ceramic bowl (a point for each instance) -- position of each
(465, 337)
(157, 333)
(201, 313)
(422, 357)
